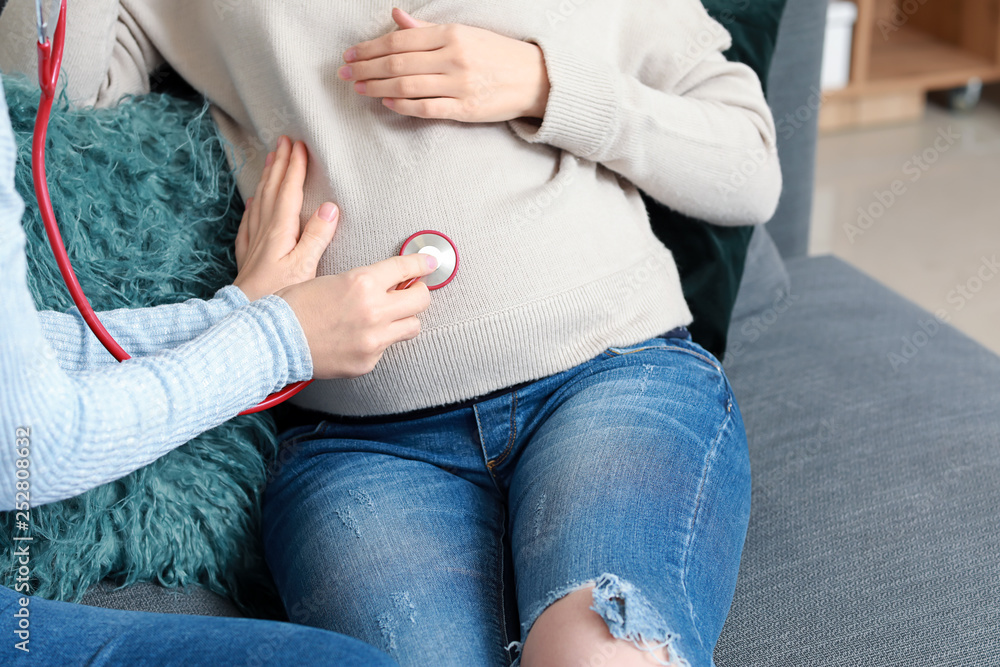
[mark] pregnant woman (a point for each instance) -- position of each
(552, 467)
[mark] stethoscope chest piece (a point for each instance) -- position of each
(430, 242)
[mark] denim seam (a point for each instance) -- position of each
(695, 354)
(672, 348)
(482, 448)
(707, 468)
(510, 439)
(611, 351)
(292, 444)
(503, 596)
(315, 430)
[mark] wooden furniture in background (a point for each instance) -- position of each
(904, 48)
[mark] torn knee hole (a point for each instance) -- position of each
(630, 617)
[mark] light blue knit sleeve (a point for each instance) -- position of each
(140, 331)
(74, 430)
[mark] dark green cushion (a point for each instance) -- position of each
(711, 258)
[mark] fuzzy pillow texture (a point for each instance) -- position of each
(148, 209)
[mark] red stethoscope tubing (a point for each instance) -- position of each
(49, 61)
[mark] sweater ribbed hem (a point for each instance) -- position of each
(455, 362)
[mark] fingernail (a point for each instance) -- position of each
(269, 159)
(431, 262)
(389, 102)
(350, 55)
(328, 211)
(345, 72)
(361, 87)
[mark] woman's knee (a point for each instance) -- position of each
(607, 623)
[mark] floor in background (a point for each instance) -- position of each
(936, 239)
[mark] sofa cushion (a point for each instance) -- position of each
(794, 97)
(875, 456)
(765, 278)
(147, 596)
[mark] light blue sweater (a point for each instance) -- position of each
(74, 418)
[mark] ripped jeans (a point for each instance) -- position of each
(441, 535)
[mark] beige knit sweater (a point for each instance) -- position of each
(558, 261)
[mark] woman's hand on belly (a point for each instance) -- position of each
(454, 72)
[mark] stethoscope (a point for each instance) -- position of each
(51, 39)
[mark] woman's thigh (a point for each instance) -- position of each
(384, 541)
(60, 634)
(638, 480)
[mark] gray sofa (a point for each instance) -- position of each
(874, 534)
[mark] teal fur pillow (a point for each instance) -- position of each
(148, 209)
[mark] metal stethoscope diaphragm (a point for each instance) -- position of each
(439, 246)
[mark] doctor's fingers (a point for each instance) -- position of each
(406, 303)
(288, 199)
(389, 273)
(243, 235)
(405, 329)
(276, 174)
(316, 236)
(254, 220)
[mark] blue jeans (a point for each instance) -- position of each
(60, 634)
(441, 537)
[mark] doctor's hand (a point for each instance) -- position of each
(271, 253)
(452, 71)
(348, 319)
(351, 318)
